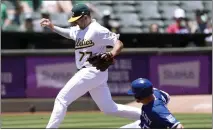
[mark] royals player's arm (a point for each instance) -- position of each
(108, 38)
(163, 115)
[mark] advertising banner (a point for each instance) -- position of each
(210, 74)
(47, 75)
(126, 69)
(180, 74)
(12, 77)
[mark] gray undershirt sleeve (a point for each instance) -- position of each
(65, 32)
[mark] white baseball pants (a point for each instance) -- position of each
(95, 82)
(134, 125)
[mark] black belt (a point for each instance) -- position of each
(81, 68)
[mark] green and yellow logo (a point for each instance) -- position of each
(83, 43)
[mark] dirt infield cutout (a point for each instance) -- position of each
(187, 104)
(177, 104)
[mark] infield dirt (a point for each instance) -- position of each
(177, 104)
(187, 104)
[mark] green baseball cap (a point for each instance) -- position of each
(78, 11)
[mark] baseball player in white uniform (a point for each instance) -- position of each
(90, 38)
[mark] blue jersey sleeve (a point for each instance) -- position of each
(162, 95)
(164, 117)
(165, 97)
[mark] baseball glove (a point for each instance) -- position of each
(101, 61)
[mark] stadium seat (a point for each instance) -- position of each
(124, 8)
(143, 7)
(148, 12)
(36, 15)
(129, 19)
(162, 30)
(209, 14)
(146, 30)
(208, 5)
(130, 30)
(147, 3)
(12, 27)
(60, 19)
(190, 15)
(167, 11)
(108, 2)
(102, 8)
(130, 23)
(169, 2)
(147, 23)
(207, 2)
(9, 4)
(33, 15)
(124, 2)
(149, 15)
(192, 5)
(129, 16)
(168, 22)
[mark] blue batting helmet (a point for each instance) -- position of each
(141, 88)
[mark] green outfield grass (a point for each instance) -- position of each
(94, 120)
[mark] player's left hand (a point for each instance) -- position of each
(101, 61)
(107, 56)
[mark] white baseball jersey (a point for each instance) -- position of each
(93, 39)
